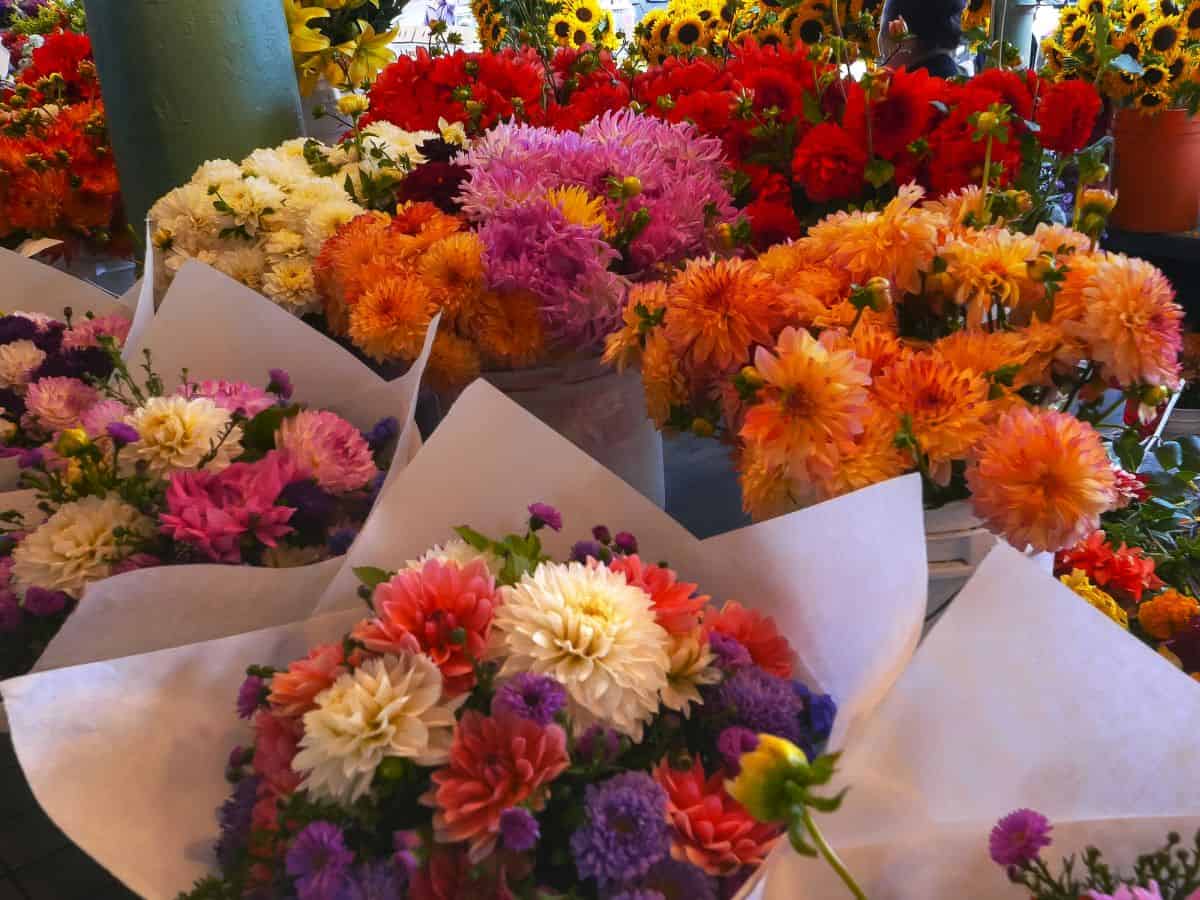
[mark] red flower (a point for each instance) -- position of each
(906, 111)
(449, 875)
(1126, 572)
(709, 111)
(61, 54)
(772, 221)
(829, 164)
(1012, 88)
(1067, 115)
(757, 633)
(587, 103)
(677, 606)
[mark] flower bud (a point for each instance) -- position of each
(1097, 200)
(751, 377)
(875, 295)
(1155, 396)
(71, 442)
(631, 186)
(702, 427)
(352, 105)
(765, 771)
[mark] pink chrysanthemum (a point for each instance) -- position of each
(213, 511)
(230, 395)
(59, 403)
(88, 332)
(329, 448)
(99, 416)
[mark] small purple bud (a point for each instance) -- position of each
(518, 829)
(281, 384)
(732, 743)
(626, 543)
(598, 744)
(602, 534)
(249, 696)
(238, 757)
(340, 541)
(42, 603)
(544, 515)
(382, 432)
(585, 549)
(31, 459)
(121, 433)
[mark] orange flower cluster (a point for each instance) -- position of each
(923, 336)
(383, 278)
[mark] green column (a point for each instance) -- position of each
(186, 81)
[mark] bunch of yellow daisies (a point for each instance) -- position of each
(572, 23)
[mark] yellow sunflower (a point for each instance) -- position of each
(1129, 44)
(1137, 14)
(688, 32)
(1090, 7)
(585, 12)
(1150, 102)
(1155, 76)
(771, 36)
(1077, 34)
(559, 28)
(976, 13)
(1166, 35)
(808, 28)
(1191, 20)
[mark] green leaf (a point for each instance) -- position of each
(812, 108)
(371, 576)
(1169, 455)
(474, 538)
(879, 172)
(1129, 450)
(259, 432)
(828, 804)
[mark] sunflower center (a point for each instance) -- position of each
(689, 33)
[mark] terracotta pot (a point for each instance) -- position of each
(1157, 172)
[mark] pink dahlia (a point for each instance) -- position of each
(213, 511)
(329, 448)
(234, 396)
(99, 416)
(293, 691)
(59, 403)
(443, 610)
(88, 332)
(757, 633)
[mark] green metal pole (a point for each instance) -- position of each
(186, 81)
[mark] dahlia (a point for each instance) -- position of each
(443, 610)
(58, 403)
(495, 763)
(1067, 115)
(1096, 598)
(677, 606)
(813, 402)
(175, 433)
(829, 164)
(18, 360)
(389, 706)
(984, 352)
(294, 690)
(454, 268)
(329, 448)
(459, 552)
(234, 396)
(1126, 571)
(662, 379)
(757, 633)
(275, 743)
(1168, 614)
(76, 545)
(391, 318)
(592, 631)
(871, 458)
(905, 112)
(1061, 241)
(1041, 479)
(507, 328)
(710, 829)
(1132, 322)
(992, 267)
(691, 667)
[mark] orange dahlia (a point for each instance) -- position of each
(985, 352)
(390, 320)
(1166, 615)
(766, 490)
(453, 268)
(507, 327)
(661, 378)
(719, 310)
(495, 764)
(1132, 322)
(1061, 240)
(425, 222)
(454, 362)
(341, 261)
(1041, 479)
(991, 267)
(709, 829)
(872, 457)
(623, 347)
(293, 691)
(813, 401)
(757, 633)
(677, 605)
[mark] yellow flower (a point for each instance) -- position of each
(688, 32)
(581, 208)
(560, 28)
(760, 785)
(305, 39)
(352, 104)
(372, 52)
(1082, 585)
(452, 132)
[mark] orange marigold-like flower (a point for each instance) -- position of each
(991, 267)
(443, 610)
(957, 208)
(663, 382)
(293, 691)
(719, 310)
(766, 490)
(495, 764)
(454, 362)
(624, 347)
(757, 633)
(1041, 479)
(390, 320)
(507, 327)
(1132, 322)
(875, 342)
(425, 222)
(677, 606)
(813, 401)
(947, 405)
(985, 352)
(709, 829)
(341, 263)
(1164, 616)
(453, 268)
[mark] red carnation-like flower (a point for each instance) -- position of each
(829, 164)
(1124, 571)
(1067, 115)
(772, 221)
(1012, 88)
(757, 633)
(905, 112)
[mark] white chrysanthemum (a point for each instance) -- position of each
(176, 433)
(76, 545)
(176, 258)
(389, 706)
(290, 283)
(593, 632)
(313, 192)
(395, 142)
(243, 264)
(217, 172)
(691, 667)
(275, 164)
(325, 220)
(186, 211)
(283, 244)
(18, 359)
(458, 551)
(248, 200)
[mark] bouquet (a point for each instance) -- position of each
(579, 24)
(23, 23)
(551, 229)
(926, 336)
(346, 43)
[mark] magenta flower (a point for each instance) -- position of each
(543, 514)
(331, 450)
(87, 333)
(1128, 892)
(234, 396)
(1018, 838)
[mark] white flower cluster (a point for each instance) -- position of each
(263, 222)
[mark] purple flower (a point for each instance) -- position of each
(10, 612)
(602, 534)
(639, 894)
(382, 432)
(731, 654)
(318, 860)
(598, 744)
(280, 384)
(405, 844)
(529, 696)
(314, 507)
(234, 819)
(239, 756)
(31, 459)
(584, 550)
(544, 515)
(626, 831)
(1018, 838)
(340, 541)
(732, 743)
(17, 328)
(1130, 892)
(763, 703)
(518, 829)
(626, 543)
(41, 602)
(372, 881)
(249, 696)
(121, 433)
(1186, 645)
(674, 878)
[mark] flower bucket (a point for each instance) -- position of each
(956, 543)
(326, 129)
(600, 411)
(1156, 173)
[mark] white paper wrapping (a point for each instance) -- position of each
(1022, 696)
(151, 733)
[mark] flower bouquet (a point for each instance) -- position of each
(538, 717)
(345, 42)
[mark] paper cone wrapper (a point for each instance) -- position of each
(845, 581)
(1023, 695)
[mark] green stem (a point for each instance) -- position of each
(987, 172)
(831, 857)
(857, 318)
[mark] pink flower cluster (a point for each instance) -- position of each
(330, 448)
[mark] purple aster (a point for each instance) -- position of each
(626, 831)
(820, 712)
(677, 880)
(314, 507)
(626, 543)
(41, 603)
(280, 384)
(340, 541)
(583, 550)
(1018, 838)
(382, 432)
(17, 328)
(80, 363)
(372, 881)
(10, 612)
(318, 860)
(530, 696)
(543, 514)
(405, 844)
(121, 433)
(763, 703)
(519, 830)
(239, 756)
(731, 654)
(31, 459)
(598, 744)
(375, 485)
(602, 534)
(234, 818)
(249, 696)
(732, 743)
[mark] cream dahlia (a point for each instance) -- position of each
(176, 433)
(76, 545)
(458, 551)
(595, 634)
(389, 706)
(690, 668)
(17, 362)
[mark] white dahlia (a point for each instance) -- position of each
(690, 668)
(76, 545)
(389, 706)
(177, 433)
(460, 552)
(594, 633)
(17, 362)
